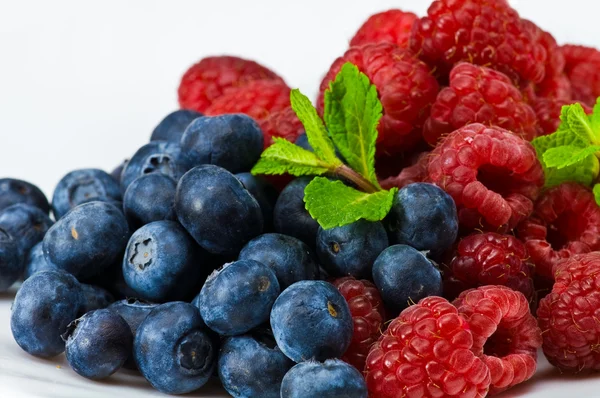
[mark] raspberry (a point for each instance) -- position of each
(426, 353)
(406, 90)
(492, 175)
(555, 59)
(479, 95)
(392, 26)
(558, 86)
(565, 221)
(482, 32)
(284, 124)
(491, 259)
(411, 174)
(257, 99)
(368, 315)
(569, 315)
(210, 78)
(583, 69)
(505, 334)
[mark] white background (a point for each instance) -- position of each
(82, 84)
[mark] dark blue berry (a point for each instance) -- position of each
(171, 128)
(150, 198)
(117, 171)
(94, 297)
(290, 216)
(26, 224)
(264, 193)
(311, 320)
(36, 261)
(173, 350)
(302, 141)
(11, 261)
(13, 191)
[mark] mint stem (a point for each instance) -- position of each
(356, 178)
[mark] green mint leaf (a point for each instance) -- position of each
(597, 193)
(595, 117)
(352, 113)
(583, 172)
(315, 129)
(333, 204)
(285, 157)
(568, 155)
(579, 123)
(562, 137)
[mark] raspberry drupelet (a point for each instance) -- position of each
(283, 124)
(583, 69)
(392, 26)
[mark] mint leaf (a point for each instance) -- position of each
(597, 193)
(568, 155)
(333, 204)
(579, 123)
(315, 130)
(285, 157)
(352, 113)
(562, 137)
(595, 117)
(583, 172)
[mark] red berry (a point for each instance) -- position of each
(426, 353)
(210, 78)
(569, 315)
(283, 124)
(505, 334)
(558, 86)
(555, 59)
(366, 307)
(583, 69)
(493, 176)
(392, 26)
(565, 221)
(483, 32)
(411, 174)
(406, 89)
(492, 259)
(479, 95)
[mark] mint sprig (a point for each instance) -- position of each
(352, 113)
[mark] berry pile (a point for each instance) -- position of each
(456, 214)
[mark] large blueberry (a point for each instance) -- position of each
(44, 305)
(423, 216)
(216, 209)
(171, 128)
(403, 276)
(94, 297)
(87, 240)
(83, 185)
(173, 349)
(290, 258)
(156, 157)
(264, 193)
(11, 260)
(238, 297)
(36, 261)
(26, 224)
(252, 365)
(13, 191)
(311, 320)
(331, 379)
(351, 249)
(162, 262)
(302, 141)
(97, 344)
(233, 141)
(290, 216)
(150, 198)
(117, 171)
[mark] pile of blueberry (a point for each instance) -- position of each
(181, 264)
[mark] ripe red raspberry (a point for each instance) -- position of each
(483, 32)
(366, 307)
(565, 221)
(426, 353)
(583, 69)
(558, 86)
(505, 334)
(479, 95)
(555, 59)
(569, 315)
(406, 90)
(491, 259)
(284, 124)
(392, 26)
(411, 174)
(210, 78)
(258, 99)
(493, 176)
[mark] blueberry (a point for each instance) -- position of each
(332, 379)
(351, 249)
(302, 141)
(133, 311)
(162, 262)
(264, 193)
(150, 198)
(26, 224)
(11, 261)
(36, 261)
(290, 216)
(252, 365)
(173, 350)
(423, 216)
(97, 344)
(233, 142)
(403, 276)
(311, 320)
(44, 305)
(83, 185)
(13, 191)
(117, 171)
(171, 128)
(217, 210)
(87, 240)
(94, 297)
(156, 157)
(238, 297)
(290, 258)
